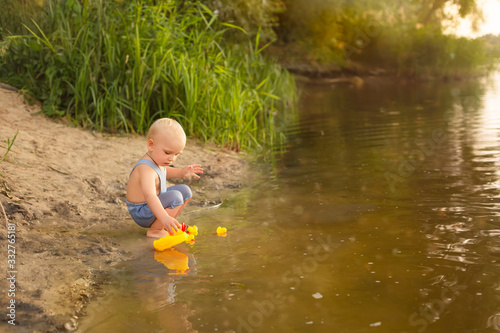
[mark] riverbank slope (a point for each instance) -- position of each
(63, 190)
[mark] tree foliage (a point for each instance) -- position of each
(434, 11)
(407, 35)
(492, 45)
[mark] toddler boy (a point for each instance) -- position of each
(150, 203)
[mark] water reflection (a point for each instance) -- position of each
(440, 147)
(383, 215)
(177, 263)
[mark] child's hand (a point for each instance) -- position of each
(192, 170)
(171, 225)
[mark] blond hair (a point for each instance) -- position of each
(166, 124)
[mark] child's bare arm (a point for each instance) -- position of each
(188, 171)
(147, 178)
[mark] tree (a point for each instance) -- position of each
(435, 11)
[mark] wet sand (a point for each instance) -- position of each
(63, 191)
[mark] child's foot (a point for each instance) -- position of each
(157, 233)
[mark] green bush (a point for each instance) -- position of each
(403, 36)
(115, 65)
(254, 16)
(426, 52)
(14, 14)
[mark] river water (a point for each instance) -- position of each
(381, 216)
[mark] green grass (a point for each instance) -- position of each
(118, 66)
(10, 143)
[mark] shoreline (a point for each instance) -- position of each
(301, 63)
(63, 191)
(325, 75)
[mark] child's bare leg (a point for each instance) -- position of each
(181, 208)
(157, 230)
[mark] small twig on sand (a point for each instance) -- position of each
(64, 173)
(4, 214)
(11, 151)
(206, 208)
(6, 86)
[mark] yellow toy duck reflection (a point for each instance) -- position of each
(174, 260)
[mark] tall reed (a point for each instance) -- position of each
(120, 65)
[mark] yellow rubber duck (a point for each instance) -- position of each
(221, 231)
(186, 234)
(192, 230)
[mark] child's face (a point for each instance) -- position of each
(165, 148)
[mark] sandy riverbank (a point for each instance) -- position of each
(63, 189)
